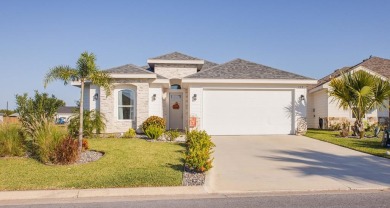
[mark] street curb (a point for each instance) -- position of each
(109, 192)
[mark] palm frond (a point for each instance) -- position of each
(86, 64)
(102, 79)
(64, 73)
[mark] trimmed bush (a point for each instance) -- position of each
(172, 135)
(129, 134)
(154, 132)
(153, 120)
(66, 152)
(12, 141)
(198, 151)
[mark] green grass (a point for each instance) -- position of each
(367, 145)
(126, 163)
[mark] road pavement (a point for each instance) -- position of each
(345, 199)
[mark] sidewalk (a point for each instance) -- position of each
(109, 192)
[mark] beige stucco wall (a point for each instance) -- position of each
(108, 105)
(317, 107)
(175, 70)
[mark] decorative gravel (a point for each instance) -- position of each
(192, 178)
(89, 156)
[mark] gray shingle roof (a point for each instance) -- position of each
(128, 69)
(376, 64)
(242, 69)
(147, 67)
(67, 109)
(207, 65)
(175, 56)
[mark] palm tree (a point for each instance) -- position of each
(361, 92)
(86, 70)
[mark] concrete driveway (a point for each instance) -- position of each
(291, 163)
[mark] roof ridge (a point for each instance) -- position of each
(132, 65)
(176, 52)
(244, 69)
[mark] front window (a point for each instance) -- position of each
(175, 87)
(126, 102)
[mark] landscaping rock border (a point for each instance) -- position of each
(192, 178)
(89, 156)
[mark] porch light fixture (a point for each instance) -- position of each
(194, 97)
(154, 97)
(95, 96)
(302, 98)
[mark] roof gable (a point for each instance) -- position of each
(242, 69)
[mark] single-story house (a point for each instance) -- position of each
(238, 97)
(323, 113)
(64, 113)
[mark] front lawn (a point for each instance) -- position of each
(126, 163)
(367, 145)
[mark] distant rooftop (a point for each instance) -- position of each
(67, 109)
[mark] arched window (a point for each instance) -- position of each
(175, 87)
(126, 104)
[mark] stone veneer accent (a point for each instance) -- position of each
(108, 104)
(175, 70)
(335, 122)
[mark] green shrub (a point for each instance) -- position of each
(93, 122)
(198, 151)
(172, 135)
(37, 119)
(129, 134)
(46, 140)
(154, 132)
(12, 141)
(66, 151)
(153, 120)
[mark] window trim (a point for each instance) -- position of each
(134, 106)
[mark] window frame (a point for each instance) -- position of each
(131, 107)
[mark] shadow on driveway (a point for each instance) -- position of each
(345, 167)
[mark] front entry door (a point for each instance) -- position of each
(176, 110)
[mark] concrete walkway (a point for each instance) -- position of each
(109, 192)
(291, 163)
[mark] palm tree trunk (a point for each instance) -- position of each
(81, 117)
(360, 128)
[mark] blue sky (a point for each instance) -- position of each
(311, 38)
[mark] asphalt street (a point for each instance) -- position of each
(368, 199)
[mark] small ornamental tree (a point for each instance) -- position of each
(86, 70)
(360, 92)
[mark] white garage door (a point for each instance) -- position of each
(247, 112)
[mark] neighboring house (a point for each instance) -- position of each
(1, 117)
(14, 115)
(64, 113)
(235, 98)
(321, 107)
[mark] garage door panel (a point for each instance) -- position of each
(247, 112)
